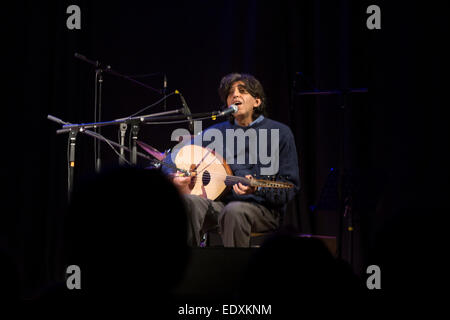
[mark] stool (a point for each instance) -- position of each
(213, 238)
(257, 238)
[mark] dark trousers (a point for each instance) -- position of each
(235, 220)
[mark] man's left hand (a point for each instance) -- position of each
(241, 189)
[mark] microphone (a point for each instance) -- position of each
(97, 64)
(187, 112)
(231, 109)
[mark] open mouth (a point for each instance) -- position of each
(237, 103)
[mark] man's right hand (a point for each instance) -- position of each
(182, 183)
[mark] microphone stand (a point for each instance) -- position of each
(134, 136)
(74, 129)
(71, 159)
(123, 129)
(134, 122)
(344, 205)
(99, 69)
(98, 112)
(70, 154)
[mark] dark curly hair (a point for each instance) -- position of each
(252, 85)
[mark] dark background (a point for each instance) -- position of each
(393, 137)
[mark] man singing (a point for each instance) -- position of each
(245, 209)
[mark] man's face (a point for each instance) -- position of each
(246, 103)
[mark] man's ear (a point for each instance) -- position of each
(257, 103)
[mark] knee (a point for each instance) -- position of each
(233, 211)
(196, 207)
(192, 200)
(190, 203)
(189, 199)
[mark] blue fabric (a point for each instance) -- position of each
(259, 119)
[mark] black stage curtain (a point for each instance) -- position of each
(388, 142)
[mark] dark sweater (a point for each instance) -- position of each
(288, 163)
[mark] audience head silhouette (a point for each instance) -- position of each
(126, 230)
(296, 275)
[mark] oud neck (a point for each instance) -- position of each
(231, 180)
